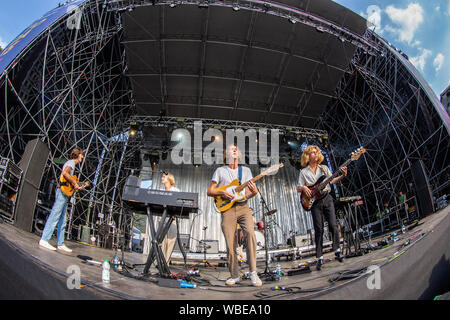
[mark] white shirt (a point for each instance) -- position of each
(174, 189)
(308, 178)
(70, 163)
(224, 175)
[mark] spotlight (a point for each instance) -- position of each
(203, 5)
(292, 20)
(235, 7)
(133, 129)
(173, 5)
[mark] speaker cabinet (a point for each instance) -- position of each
(212, 246)
(184, 238)
(422, 189)
(32, 164)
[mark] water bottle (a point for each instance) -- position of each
(105, 272)
(185, 284)
(294, 256)
(278, 270)
(403, 228)
(116, 261)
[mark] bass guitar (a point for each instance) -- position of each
(317, 192)
(239, 190)
(67, 188)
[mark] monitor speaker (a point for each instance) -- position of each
(422, 189)
(184, 238)
(32, 164)
(212, 246)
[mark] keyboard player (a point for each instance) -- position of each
(167, 245)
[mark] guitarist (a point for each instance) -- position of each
(240, 213)
(311, 160)
(58, 214)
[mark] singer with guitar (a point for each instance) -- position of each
(57, 216)
(324, 207)
(238, 213)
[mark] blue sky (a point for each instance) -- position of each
(420, 28)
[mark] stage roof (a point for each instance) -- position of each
(245, 65)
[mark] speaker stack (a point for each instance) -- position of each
(422, 189)
(32, 165)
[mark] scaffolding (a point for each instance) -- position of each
(69, 88)
(381, 105)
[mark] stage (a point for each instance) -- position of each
(416, 270)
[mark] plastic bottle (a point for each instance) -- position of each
(278, 270)
(294, 255)
(116, 261)
(403, 228)
(185, 284)
(105, 272)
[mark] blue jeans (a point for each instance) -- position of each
(57, 217)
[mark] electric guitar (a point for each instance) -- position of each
(67, 188)
(317, 192)
(239, 190)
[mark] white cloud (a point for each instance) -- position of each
(3, 44)
(420, 61)
(407, 20)
(438, 62)
(373, 16)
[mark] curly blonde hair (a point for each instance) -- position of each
(307, 152)
(171, 178)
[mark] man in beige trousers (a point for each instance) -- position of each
(240, 214)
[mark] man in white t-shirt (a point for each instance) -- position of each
(57, 216)
(240, 213)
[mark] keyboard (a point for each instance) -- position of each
(180, 204)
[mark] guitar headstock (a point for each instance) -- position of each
(357, 153)
(274, 168)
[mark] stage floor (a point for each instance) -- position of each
(211, 283)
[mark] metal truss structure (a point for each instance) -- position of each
(382, 106)
(70, 89)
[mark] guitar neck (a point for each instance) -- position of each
(334, 175)
(258, 177)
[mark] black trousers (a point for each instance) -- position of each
(324, 208)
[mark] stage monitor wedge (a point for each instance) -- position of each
(32, 164)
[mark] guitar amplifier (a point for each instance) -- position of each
(212, 246)
(184, 239)
(300, 241)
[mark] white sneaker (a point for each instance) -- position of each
(256, 282)
(232, 282)
(46, 245)
(64, 248)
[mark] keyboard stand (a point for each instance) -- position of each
(158, 235)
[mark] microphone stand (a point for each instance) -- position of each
(264, 205)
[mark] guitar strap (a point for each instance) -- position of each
(240, 174)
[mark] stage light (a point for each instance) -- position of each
(133, 129)
(292, 20)
(236, 7)
(173, 5)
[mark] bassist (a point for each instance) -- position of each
(323, 208)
